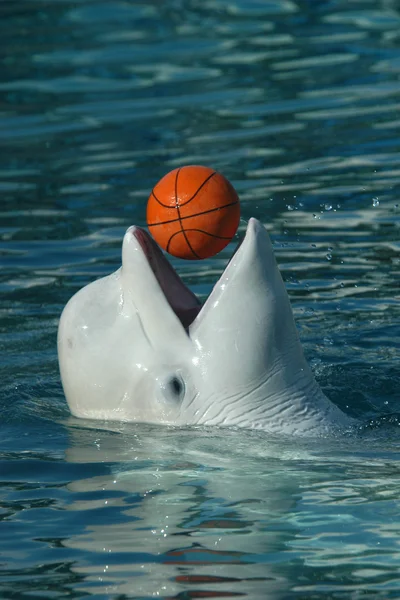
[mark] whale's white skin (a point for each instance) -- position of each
(137, 346)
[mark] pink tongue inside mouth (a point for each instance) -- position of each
(184, 303)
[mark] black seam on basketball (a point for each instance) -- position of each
(180, 218)
(198, 189)
(159, 201)
(176, 192)
(187, 241)
(213, 235)
(199, 214)
(176, 187)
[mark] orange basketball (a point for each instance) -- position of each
(193, 212)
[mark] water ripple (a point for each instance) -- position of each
(298, 104)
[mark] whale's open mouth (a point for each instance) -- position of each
(181, 299)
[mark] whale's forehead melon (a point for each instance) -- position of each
(93, 326)
(94, 310)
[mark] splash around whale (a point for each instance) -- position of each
(138, 346)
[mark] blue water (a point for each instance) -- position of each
(297, 103)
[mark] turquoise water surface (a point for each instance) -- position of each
(298, 104)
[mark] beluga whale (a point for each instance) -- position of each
(137, 346)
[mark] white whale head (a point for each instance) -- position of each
(137, 346)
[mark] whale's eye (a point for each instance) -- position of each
(177, 386)
(173, 387)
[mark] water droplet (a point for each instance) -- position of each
(375, 202)
(315, 361)
(329, 256)
(290, 207)
(328, 207)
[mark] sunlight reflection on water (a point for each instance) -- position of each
(297, 103)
